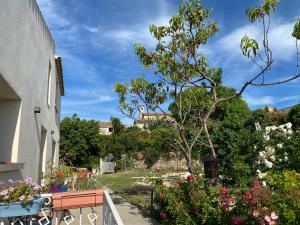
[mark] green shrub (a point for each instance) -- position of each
(87, 185)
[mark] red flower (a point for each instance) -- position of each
(189, 177)
(224, 191)
(163, 216)
(161, 197)
(235, 220)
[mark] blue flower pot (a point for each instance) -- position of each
(17, 209)
(63, 188)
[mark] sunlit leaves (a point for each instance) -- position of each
(254, 14)
(249, 47)
(296, 32)
(257, 13)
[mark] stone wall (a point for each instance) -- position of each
(162, 164)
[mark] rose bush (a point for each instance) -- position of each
(190, 201)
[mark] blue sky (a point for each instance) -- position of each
(95, 39)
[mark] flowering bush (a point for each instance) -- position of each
(279, 150)
(286, 193)
(188, 203)
(23, 191)
(192, 202)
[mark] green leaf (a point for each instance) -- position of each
(249, 46)
(296, 32)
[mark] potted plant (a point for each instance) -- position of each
(56, 177)
(20, 198)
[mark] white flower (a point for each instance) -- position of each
(273, 127)
(279, 146)
(289, 132)
(280, 160)
(268, 164)
(266, 137)
(284, 131)
(268, 129)
(270, 150)
(261, 154)
(264, 183)
(289, 125)
(286, 158)
(262, 175)
(258, 171)
(274, 216)
(272, 157)
(285, 153)
(281, 127)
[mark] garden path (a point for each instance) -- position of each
(129, 213)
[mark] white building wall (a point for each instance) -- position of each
(26, 48)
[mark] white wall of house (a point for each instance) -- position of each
(27, 51)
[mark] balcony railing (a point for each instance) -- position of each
(110, 213)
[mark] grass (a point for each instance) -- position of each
(124, 185)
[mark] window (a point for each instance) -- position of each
(49, 84)
(110, 129)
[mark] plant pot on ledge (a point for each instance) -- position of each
(211, 168)
(55, 188)
(16, 209)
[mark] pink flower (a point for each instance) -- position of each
(274, 216)
(255, 213)
(163, 216)
(235, 220)
(229, 201)
(269, 220)
(248, 195)
(262, 222)
(255, 184)
(223, 191)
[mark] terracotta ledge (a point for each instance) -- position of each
(11, 167)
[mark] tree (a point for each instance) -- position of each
(294, 116)
(118, 127)
(181, 67)
(80, 142)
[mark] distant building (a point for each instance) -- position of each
(31, 86)
(146, 117)
(106, 128)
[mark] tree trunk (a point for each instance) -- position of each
(211, 146)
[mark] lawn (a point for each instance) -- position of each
(134, 186)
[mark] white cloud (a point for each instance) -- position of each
(100, 99)
(96, 29)
(281, 41)
(51, 14)
(267, 100)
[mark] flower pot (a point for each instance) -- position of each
(55, 188)
(77, 199)
(63, 188)
(17, 209)
(211, 168)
